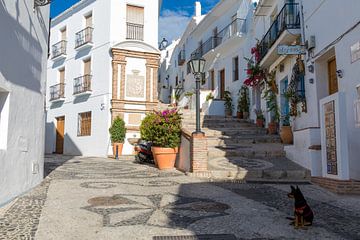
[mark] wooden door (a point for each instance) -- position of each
(63, 34)
(212, 80)
(333, 82)
(222, 83)
(88, 20)
(60, 127)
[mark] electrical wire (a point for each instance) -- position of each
(335, 41)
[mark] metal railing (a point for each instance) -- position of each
(134, 31)
(232, 29)
(83, 37)
(82, 84)
(59, 49)
(288, 18)
(57, 91)
(181, 57)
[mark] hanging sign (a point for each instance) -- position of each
(291, 50)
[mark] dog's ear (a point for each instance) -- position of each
(292, 187)
(297, 187)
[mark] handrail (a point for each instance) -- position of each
(82, 84)
(287, 18)
(57, 91)
(59, 48)
(83, 37)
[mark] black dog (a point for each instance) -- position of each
(303, 214)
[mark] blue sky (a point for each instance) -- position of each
(174, 16)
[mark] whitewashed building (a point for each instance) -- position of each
(218, 37)
(103, 64)
(23, 59)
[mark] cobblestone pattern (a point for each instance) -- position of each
(334, 219)
(22, 219)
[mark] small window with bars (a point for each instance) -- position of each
(84, 124)
(135, 23)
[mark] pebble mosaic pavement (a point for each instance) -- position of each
(125, 200)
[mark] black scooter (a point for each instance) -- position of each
(145, 154)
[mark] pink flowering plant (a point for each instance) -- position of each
(254, 72)
(162, 128)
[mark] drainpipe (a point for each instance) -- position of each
(302, 24)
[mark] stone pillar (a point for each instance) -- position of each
(155, 83)
(148, 77)
(198, 154)
(122, 80)
(115, 80)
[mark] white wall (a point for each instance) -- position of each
(23, 53)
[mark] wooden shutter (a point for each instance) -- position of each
(135, 15)
(63, 34)
(212, 80)
(62, 75)
(88, 20)
(333, 82)
(84, 124)
(87, 67)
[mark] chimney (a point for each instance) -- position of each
(197, 9)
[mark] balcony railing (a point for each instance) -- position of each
(227, 32)
(134, 31)
(288, 18)
(83, 37)
(59, 49)
(57, 91)
(181, 57)
(82, 84)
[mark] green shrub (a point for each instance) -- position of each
(228, 102)
(117, 130)
(162, 128)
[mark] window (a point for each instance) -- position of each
(188, 68)
(234, 27)
(87, 66)
(62, 75)
(135, 23)
(63, 34)
(236, 68)
(4, 118)
(84, 124)
(88, 20)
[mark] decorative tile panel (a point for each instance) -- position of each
(330, 135)
(135, 85)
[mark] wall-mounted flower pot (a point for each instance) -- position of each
(119, 147)
(228, 114)
(164, 157)
(286, 135)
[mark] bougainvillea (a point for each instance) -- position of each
(254, 72)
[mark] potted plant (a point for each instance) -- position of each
(273, 108)
(228, 104)
(243, 103)
(163, 129)
(286, 134)
(259, 117)
(117, 134)
(209, 97)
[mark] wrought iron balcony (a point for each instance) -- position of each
(288, 18)
(82, 85)
(234, 28)
(181, 57)
(134, 31)
(84, 37)
(59, 49)
(57, 92)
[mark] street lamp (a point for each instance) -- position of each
(197, 68)
(163, 44)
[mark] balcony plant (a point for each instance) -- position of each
(255, 74)
(272, 104)
(163, 129)
(117, 134)
(243, 103)
(286, 134)
(228, 104)
(259, 117)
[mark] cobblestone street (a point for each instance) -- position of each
(94, 198)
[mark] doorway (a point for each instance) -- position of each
(60, 127)
(222, 83)
(332, 79)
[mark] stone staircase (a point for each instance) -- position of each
(239, 150)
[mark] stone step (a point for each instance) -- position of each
(242, 139)
(216, 125)
(267, 150)
(231, 131)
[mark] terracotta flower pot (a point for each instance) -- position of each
(246, 115)
(228, 114)
(240, 115)
(260, 122)
(272, 128)
(120, 147)
(164, 157)
(286, 135)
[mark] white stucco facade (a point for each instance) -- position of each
(23, 62)
(109, 31)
